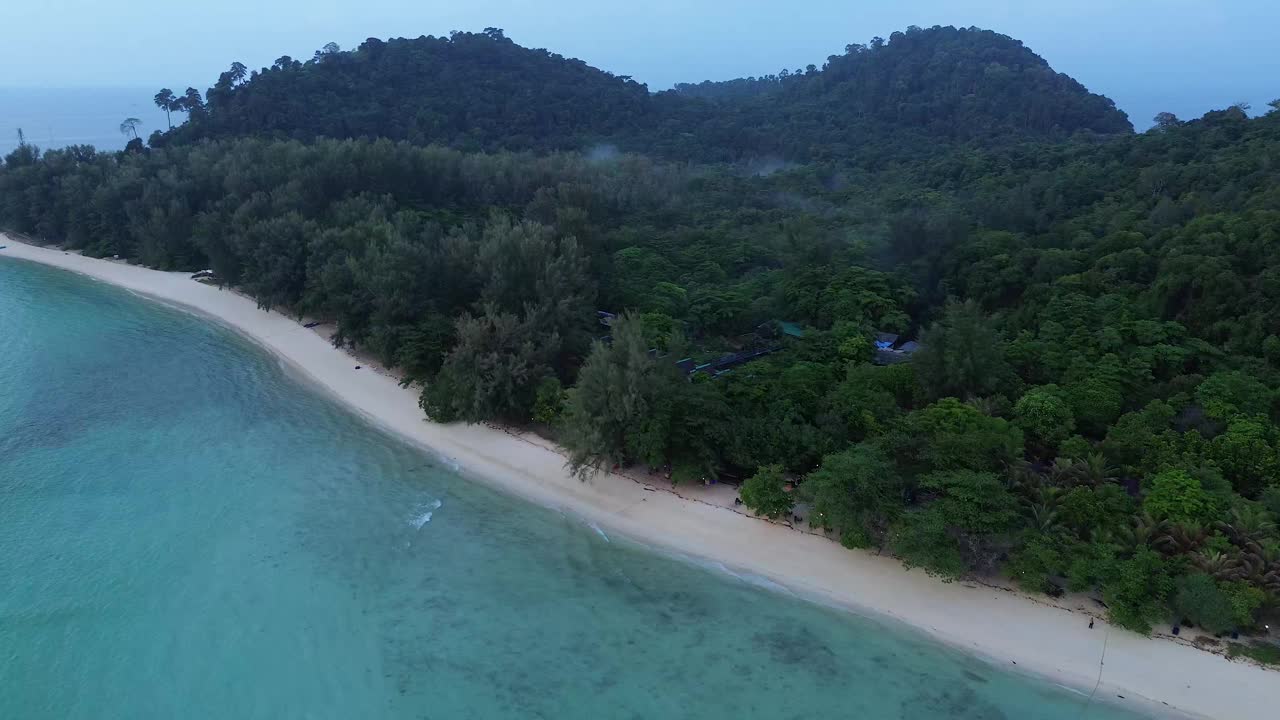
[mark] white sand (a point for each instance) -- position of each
(1003, 626)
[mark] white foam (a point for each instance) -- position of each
(449, 462)
(426, 510)
(745, 577)
(600, 532)
(1070, 689)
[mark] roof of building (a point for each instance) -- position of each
(883, 337)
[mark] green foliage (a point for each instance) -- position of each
(421, 348)
(1132, 439)
(950, 434)
(865, 400)
(1038, 558)
(1044, 416)
(548, 401)
(1135, 591)
(1227, 394)
(920, 539)
(1098, 511)
(765, 492)
(1199, 600)
(1270, 499)
(1246, 454)
(955, 532)
(481, 91)
(1075, 448)
(1245, 601)
(492, 370)
(1096, 401)
(823, 296)
(1177, 497)
(962, 355)
(620, 408)
(1260, 652)
(629, 405)
(659, 330)
(1091, 565)
(856, 493)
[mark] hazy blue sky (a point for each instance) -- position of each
(1186, 56)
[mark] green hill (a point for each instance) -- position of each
(484, 92)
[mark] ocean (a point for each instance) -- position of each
(187, 530)
(53, 118)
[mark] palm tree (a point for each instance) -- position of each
(1180, 539)
(1139, 534)
(1023, 479)
(1219, 566)
(130, 127)
(1271, 579)
(1095, 470)
(986, 405)
(1044, 518)
(1254, 568)
(1248, 527)
(1064, 471)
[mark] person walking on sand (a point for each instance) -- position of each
(1090, 623)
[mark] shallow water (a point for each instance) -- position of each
(187, 531)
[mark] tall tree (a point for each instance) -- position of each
(129, 127)
(192, 103)
(238, 73)
(167, 101)
(621, 408)
(492, 371)
(962, 354)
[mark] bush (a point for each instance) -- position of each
(1200, 601)
(1178, 497)
(1263, 653)
(1136, 591)
(766, 493)
(548, 402)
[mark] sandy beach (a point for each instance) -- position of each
(1008, 628)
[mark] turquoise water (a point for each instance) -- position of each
(188, 532)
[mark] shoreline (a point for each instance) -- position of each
(1003, 627)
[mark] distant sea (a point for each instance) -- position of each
(188, 531)
(57, 117)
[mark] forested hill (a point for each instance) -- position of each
(484, 92)
(947, 83)
(473, 91)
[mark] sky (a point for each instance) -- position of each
(1183, 56)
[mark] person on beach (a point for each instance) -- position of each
(1090, 623)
